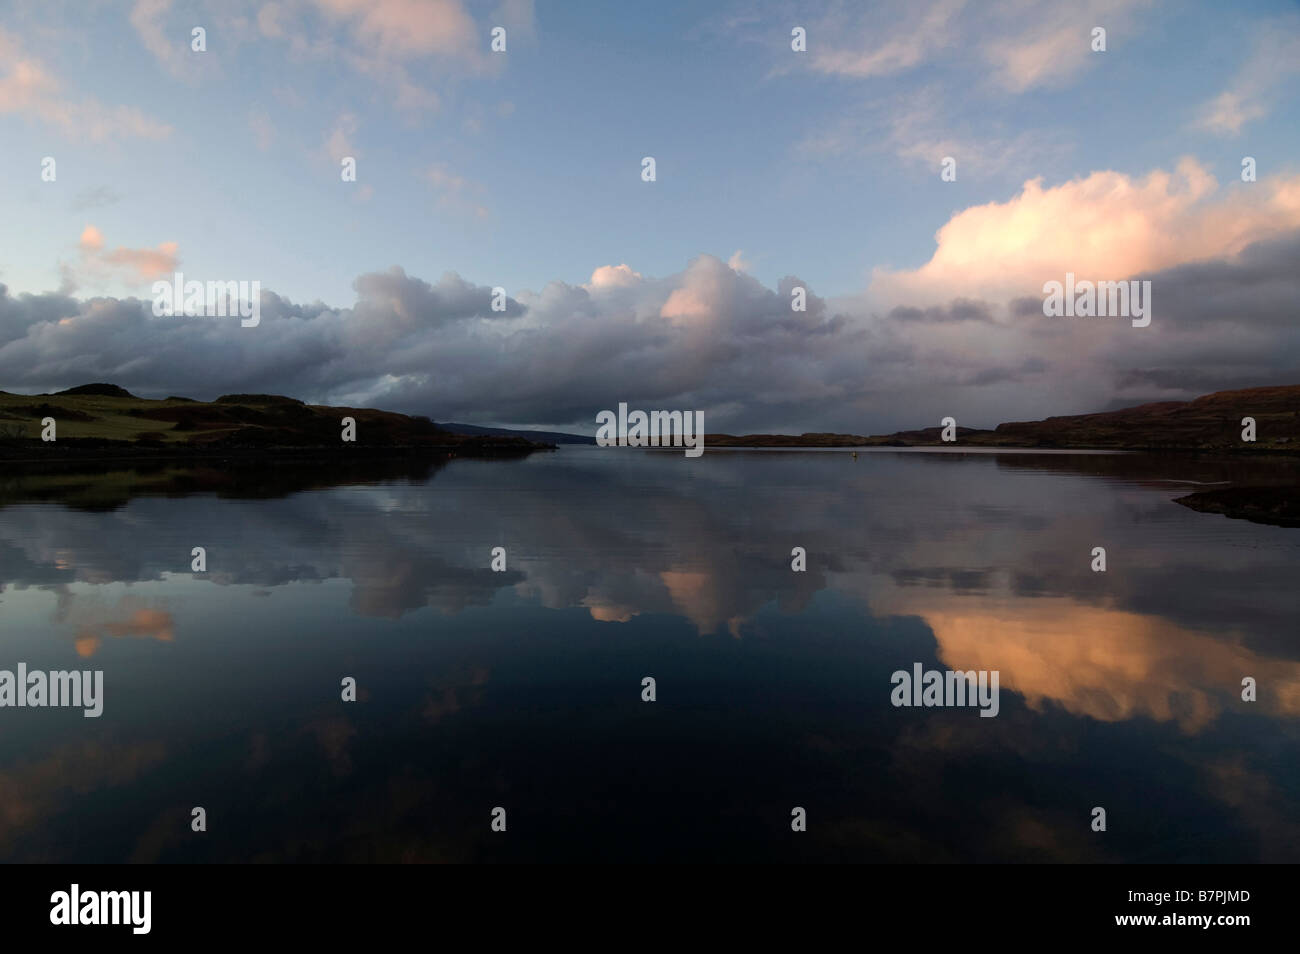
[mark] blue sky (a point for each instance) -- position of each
(522, 169)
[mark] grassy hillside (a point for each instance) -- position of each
(103, 414)
(1212, 422)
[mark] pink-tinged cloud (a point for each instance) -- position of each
(95, 620)
(1047, 43)
(704, 293)
(127, 264)
(696, 595)
(1109, 664)
(28, 88)
(1016, 45)
(1105, 226)
(410, 27)
(169, 46)
(147, 264)
(92, 240)
(24, 82)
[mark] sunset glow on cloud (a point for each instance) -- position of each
(1106, 225)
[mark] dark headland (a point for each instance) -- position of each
(104, 421)
(1208, 423)
(1211, 424)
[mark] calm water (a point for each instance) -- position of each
(522, 689)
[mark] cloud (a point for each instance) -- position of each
(876, 44)
(170, 47)
(94, 198)
(1046, 44)
(130, 265)
(1106, 225)
(27, 88)
(455, 192)
(263, 129)
(1010, 46)
(339, 143)
(613, 276)
(269, 20)
(93, 621)
(710, 338)
(1273, 61)
(34, 791)
(412, 345)
(397, 44)
(91, 240)
(394, 41)
(922, 127)
(984, 55)
(406, 28)
(960, 309)
(1100, 662)
(1227, 113)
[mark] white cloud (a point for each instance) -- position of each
(616, 276)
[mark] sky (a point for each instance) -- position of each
(775, 169)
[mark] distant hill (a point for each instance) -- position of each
(108, 413)
(550, 437)
(928, 435)
(1211, 422)
(100, 390)
(106, 418)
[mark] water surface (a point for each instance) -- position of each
(522, 689)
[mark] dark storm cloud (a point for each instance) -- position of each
(960, 309)
(1025, 307)
(1217, 326)
(710, 337)
(1260, 289)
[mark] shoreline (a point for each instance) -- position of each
(267, 454)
